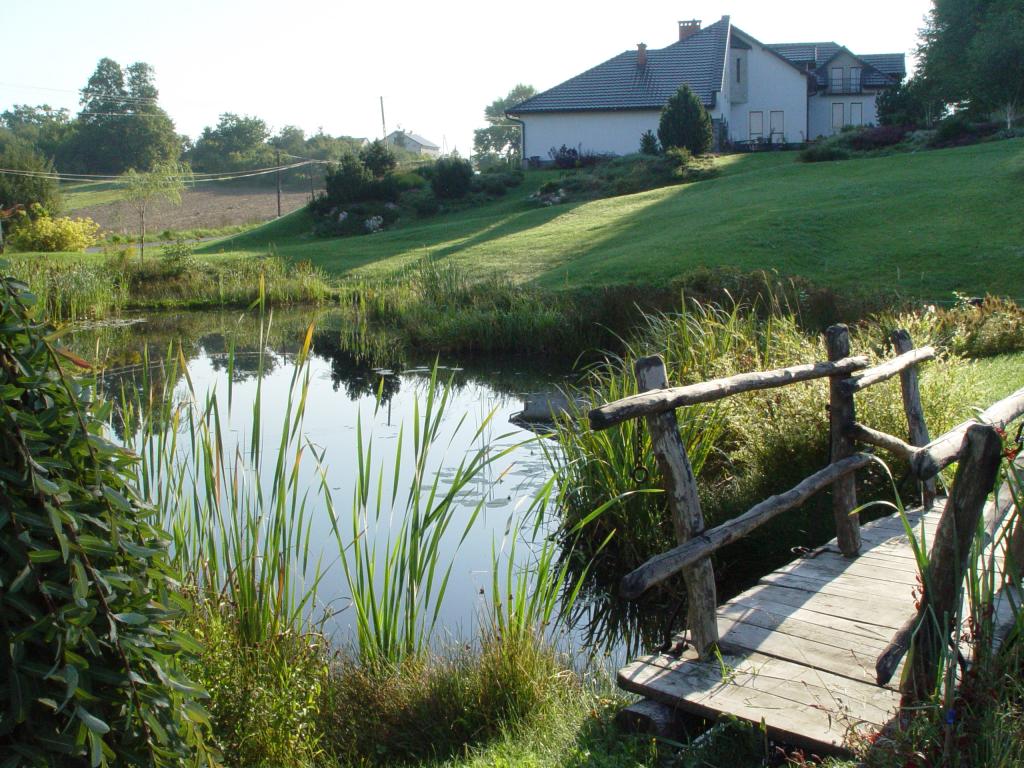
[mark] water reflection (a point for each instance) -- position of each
(376, 387)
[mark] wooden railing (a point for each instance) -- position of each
(975, 444)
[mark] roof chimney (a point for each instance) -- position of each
(688, 28)
(641, 55)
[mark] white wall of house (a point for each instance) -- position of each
(859, 109)
(613, 132)
(835, 107)
(773, 86)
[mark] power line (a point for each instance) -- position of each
(86, 93)
(202, 177)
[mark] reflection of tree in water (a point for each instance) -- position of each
(355, 372)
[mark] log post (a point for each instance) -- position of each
(915, 412)
(841, 421)
(927, 634)
(684, 503)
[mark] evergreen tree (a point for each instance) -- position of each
(685, 123)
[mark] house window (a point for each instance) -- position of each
(836, 81)
(756, 125)
(855, 79)
(857, 113)
(777, 124)
(838, 117)
(739, 70)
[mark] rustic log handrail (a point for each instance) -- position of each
(891, 443)
(661, 567)
(888, 369)
(945, 449)
(664, 400)
(926, 634)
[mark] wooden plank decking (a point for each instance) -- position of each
(799, 648)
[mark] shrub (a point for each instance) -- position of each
(958, 130)
(346, 182)
(92, 662)
(992, 327)
(877, 137)
(40, 232)
(378, 158)
(823, 152)
(452, 177)
(351, 182)
(18, 155)
(265, 699)
(564, 157)
(685, 123)
(423, 201)
(179, 256)
(408, 181)
(649, 143)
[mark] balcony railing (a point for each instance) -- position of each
(845, 85)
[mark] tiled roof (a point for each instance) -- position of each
(422, 141)
(882, 68)
(414, 137)
(620, 83)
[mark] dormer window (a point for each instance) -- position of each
(836, 80)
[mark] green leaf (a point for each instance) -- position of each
(93, 723)
(44, 555)
(197, 712)
(131, 618)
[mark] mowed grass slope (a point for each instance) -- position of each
(926, 224)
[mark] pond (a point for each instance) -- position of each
(357, 389)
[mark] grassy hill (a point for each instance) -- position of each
(926, 224)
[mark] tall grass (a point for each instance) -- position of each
(241, 527)
(397, 586)
(75, 287)
(973, 716)
(743, 449)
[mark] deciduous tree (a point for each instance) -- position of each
(502, 136)
(165, 181)
(996, 59)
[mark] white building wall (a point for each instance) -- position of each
(821, 111)
(611, 132)
(773, 85)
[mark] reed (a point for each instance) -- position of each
(240, 524)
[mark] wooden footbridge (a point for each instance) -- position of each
(814, 648)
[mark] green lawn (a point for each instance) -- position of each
(926, 224)
(88, 194)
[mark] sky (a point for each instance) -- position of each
(325, 64)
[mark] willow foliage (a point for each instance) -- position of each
(90, 669)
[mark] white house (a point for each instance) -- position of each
(412, 142)
(786, 93)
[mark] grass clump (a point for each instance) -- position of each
(92, 286)
(266, 698)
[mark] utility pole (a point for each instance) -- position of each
(383, 126)
(310, 167)
(279, 183)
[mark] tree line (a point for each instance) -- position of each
(121, 126)
(971, 61)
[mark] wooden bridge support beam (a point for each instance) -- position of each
(684, 503)
(926, 636)
(841, 420)
(915, 411)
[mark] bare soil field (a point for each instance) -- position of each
(208, 207)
